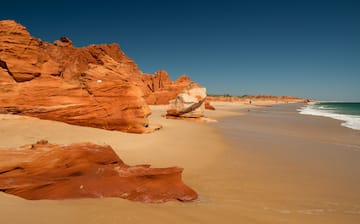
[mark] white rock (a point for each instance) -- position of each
(189, 103)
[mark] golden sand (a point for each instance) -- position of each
(263, 177)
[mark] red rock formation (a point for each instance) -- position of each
(263, 98)
(208, 105)
(223, 98)
(96, 86)
(85, 170)
(159, 89)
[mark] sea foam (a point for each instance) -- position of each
(350, 121)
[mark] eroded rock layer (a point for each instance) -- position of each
(96, 86)
(85, 170)
(159, 89)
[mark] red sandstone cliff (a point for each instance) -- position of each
(159, 89)
(85, 170)
(97, 86)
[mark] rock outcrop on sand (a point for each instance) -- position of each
(159, 89)
(96, 86)
(188, 104)
(85, 170)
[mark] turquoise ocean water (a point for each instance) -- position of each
(348, 112)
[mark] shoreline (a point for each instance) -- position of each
(347, 120)
(255, 176)
(298, 168)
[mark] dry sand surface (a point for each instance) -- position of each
(264, 176)
(193, 146)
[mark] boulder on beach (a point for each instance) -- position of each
(188, 104)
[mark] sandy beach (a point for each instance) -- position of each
(276, 166)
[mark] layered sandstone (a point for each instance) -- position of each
(96, 86)
(85, 170)
(159, 89)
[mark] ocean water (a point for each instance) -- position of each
(347, 112)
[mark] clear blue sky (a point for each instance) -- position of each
(303, 48)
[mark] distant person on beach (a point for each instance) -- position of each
(249, 101)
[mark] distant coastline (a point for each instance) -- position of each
(256, 98)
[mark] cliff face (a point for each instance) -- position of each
(159, 89)
(97, 86)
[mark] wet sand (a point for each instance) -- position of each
(294, 168)
(269, 165)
